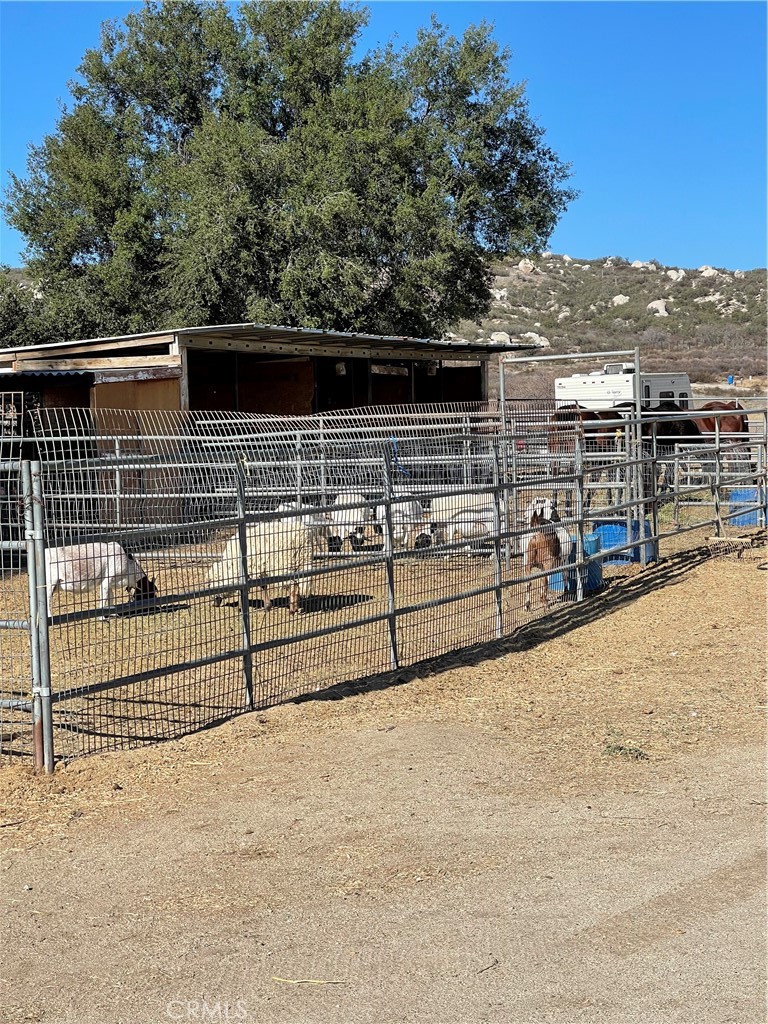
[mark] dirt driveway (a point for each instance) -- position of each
(567, 828)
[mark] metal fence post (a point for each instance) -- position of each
(510, 476)
(654, 480)
(32, 616)
(578, 466)
(245, 607)
(762, 451)
(717, 482)
(118, 487)
(42, 713)
(389, 560)
(676, 485)
(467, 452)
(323, 449)
(299, 475)
(497, 525)
(640, 490)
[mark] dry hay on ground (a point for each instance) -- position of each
(159, 643)
(666, 660)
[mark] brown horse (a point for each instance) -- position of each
(735, 423)
(570, 420)
(601, 434)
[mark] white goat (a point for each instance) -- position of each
(82, 567)
(457, 517)
(274, 548)
(409, 525)
(315, 521)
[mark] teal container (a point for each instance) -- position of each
(565, 580)
(613, 534)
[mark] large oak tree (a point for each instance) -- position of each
(219, 165)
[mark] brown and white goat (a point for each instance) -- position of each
(543, 551)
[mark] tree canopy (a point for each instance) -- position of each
(221, 165)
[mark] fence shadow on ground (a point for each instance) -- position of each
(617, 593)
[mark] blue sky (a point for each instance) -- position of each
(659, 107)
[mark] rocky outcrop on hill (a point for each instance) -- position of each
(704, 315)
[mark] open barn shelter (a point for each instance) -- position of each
(248, 368)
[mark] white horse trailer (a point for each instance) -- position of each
(615, 385)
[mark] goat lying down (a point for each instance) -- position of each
(106, 566)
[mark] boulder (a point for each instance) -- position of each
(526, 266)
(536, 339)
(567, 259)
(707, 271)
(499, 338)
(658, 307)
(676, 275)
(499, 294)
(620, 300)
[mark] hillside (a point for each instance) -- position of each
(709, 321)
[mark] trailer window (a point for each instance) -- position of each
(682, 399)
(646, 394)
(667, 394)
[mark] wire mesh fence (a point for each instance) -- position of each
(184, 567)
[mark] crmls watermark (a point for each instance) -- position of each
(214, 1012)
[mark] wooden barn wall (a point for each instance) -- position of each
(277, 386)
(137, 394)
(392, 390)
(248, 383)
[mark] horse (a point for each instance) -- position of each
(597, 436)
(546, 547)
(668, 433)
(733, 430)
(735, 423)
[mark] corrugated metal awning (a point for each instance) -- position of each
(267, 338)
(309, 341)
(54, 373)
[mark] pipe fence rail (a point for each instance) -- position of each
(164, 571)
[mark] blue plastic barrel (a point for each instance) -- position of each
(565, 580)
(613, 534)
(740, 498)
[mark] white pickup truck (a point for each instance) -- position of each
(615, 385)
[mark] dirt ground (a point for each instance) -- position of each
(564, 827)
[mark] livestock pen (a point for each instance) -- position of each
(417, 523)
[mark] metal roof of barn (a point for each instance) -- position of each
(266, 338)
